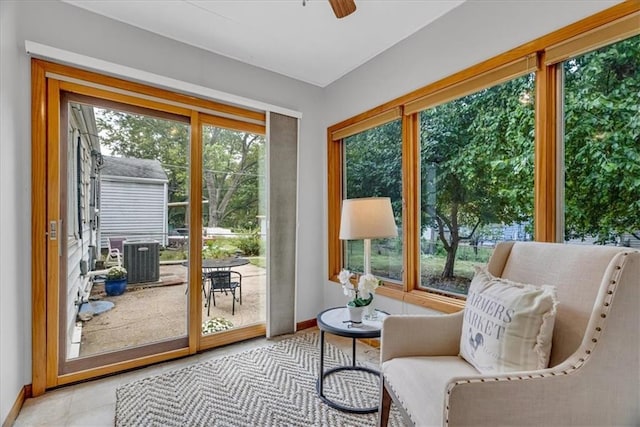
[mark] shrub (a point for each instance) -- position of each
(250, 244)
(216, 251)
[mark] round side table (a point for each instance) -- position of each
(336, 321)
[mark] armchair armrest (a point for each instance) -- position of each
(506, 399)
(420, 335)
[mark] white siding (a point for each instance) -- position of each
(77, 285)
(135, 210)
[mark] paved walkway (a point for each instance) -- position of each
(144, 315)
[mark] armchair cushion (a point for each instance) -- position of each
(421, 383)
(507, 326)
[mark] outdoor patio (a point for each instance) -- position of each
(152, 312)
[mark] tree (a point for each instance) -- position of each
(231, 161)
(374, 164)
(477, 163)
(145, 137)
(602, 143)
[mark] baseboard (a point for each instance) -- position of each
(24, 394)
(373, 342)
(306, 324)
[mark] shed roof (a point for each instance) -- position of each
(132, 167)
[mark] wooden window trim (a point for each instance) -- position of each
(506, 72)
(615, 23)
(620, 29)
(366, 124)
(232, 124)
(98, 81)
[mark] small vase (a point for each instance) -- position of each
(355, 314)
(370, 312)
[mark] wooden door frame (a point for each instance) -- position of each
(45, 126)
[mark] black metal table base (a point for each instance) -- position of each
(339, 406)
(353, 367)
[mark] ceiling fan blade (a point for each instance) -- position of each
(343, 8)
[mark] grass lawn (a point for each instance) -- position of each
(258, 261)
(389, 265)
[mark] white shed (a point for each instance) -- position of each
(133, 200)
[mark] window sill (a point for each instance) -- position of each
(421, 298)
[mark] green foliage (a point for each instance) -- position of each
(374, 164)
(233, 164)
(477, 163)
(258, 261)
(116, 273)
(172, 255)
(250, 243)
(217, 324)
(217, 250)
(602, 142)
(146, 137)
(233, 177)
(360, 302)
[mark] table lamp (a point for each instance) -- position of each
(365, 219)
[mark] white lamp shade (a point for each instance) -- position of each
(367, 218)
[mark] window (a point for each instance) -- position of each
(373, 168)
(602, 145)
(476, 169)
(480, 157)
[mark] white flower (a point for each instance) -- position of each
(350, 292)
(116, 273)
(361, 293)
(344, 276)
(368, 283)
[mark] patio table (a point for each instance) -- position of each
(220, 263)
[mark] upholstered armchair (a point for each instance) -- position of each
(593, 376)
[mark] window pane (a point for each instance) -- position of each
(127, 175)
(373, 168)
(234, 277)
(477, 167)
(602, 145)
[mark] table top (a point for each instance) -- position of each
(336, 321)
(222, 262)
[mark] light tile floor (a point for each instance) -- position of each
(93, 403)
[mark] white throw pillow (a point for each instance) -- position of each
(507, 326)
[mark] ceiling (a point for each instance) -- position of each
(307, 43)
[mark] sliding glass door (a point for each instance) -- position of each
(124, 199)
(142, 190)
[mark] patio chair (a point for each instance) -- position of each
(224, 281)
(116, 249)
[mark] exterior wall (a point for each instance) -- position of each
(80, 236)
(132, 209)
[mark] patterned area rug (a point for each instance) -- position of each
(269, 386)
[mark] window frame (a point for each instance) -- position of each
(617, 22)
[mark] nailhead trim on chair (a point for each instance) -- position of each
(402, 402)
(594, 339)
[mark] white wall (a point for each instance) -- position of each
(472, 32)
(15, 227)
(475, 31)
